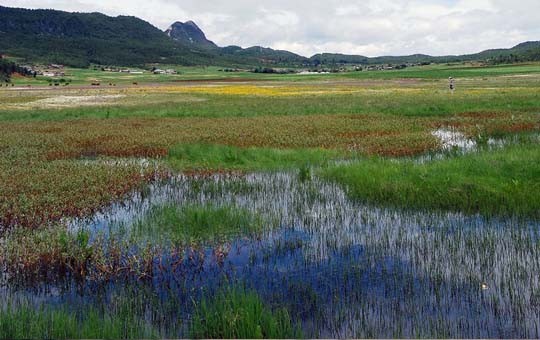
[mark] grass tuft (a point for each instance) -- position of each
(197, 223)
(31, 322)
(239, 314)
(221, 157)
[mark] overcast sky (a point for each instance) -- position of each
(367, 27)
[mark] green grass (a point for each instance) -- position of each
(494, 183)
(239, 314)
(425, 102)
(32, 322)
(221, 157)
(436, 71)
(443, 71)
(82, 76)
(85, 76)
(196, 223)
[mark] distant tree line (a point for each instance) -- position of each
(515, 58)
(7, 68)
(270, 70)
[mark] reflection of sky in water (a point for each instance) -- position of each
(452, 138)
(349, 270)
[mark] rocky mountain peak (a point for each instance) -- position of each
(189, 33)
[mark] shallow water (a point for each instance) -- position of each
(342, 269)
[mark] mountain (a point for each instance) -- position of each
(189, 33)
(528, 51)
(258, 55)
(80, 39)
(337, 58)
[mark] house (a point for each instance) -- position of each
(49, 73)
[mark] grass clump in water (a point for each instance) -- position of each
(198, 223)
(48, 252)
(222, 157)
(239, 314)
(493, 183)
(31, 322)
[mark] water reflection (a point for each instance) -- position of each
(341, 268)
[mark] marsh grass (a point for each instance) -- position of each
(45, 253)
(375, 272)
(46, 322)
(492, 182)
(221, 157)
(196, 223)
(239, 314)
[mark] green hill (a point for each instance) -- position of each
(528, 51)
(78, 39)
(81, 39)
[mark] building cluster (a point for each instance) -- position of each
(121, 70)
(160, 71)
(51, 70)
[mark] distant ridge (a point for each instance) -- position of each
(80, 39)
(527, 51)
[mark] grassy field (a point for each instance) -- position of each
(70, 151)
(493, 183)
(77, 77)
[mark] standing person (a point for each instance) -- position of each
(452, 84)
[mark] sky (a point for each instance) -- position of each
(306, 27)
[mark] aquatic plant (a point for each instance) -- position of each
(193, 224)
(239, 314)
(27, 321)
(201, 157)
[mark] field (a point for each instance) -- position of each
(213, 204)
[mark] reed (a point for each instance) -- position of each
(239, 314)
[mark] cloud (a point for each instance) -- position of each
(368, 27)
